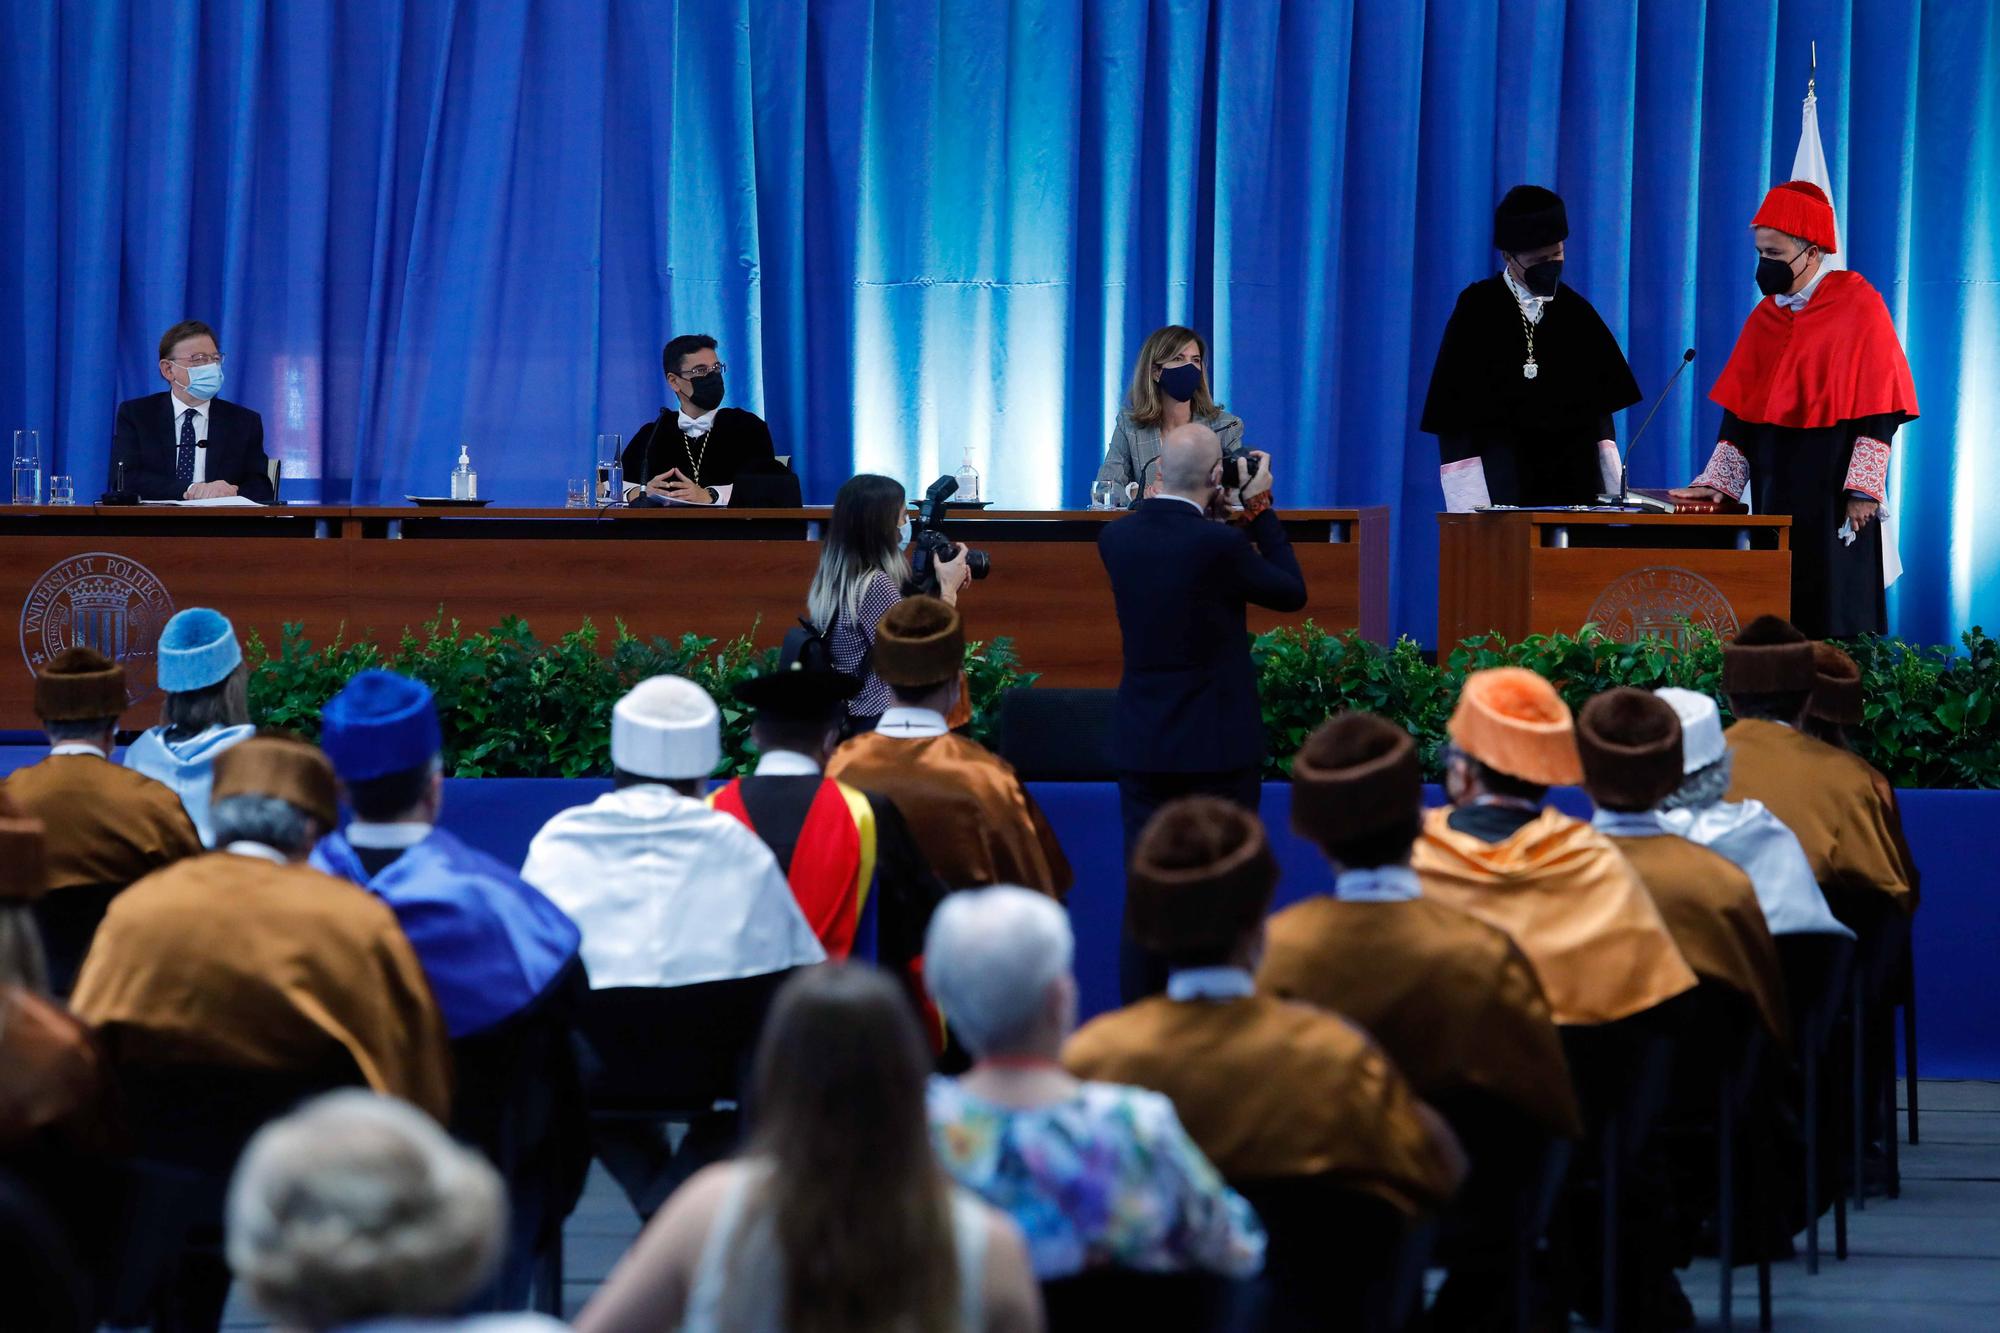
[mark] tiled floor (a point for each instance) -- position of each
(1928, 1261)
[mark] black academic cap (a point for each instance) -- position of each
(798, 692)
(1529, 218)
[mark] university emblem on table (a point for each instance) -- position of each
(1662, 601)
(102, 601)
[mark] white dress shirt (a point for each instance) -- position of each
(76, 747)
(1797, 301)
(1378, 884)
(387, 837)
(1531, 305)
(260, 850)
(1210, 983)
(200, 410)
(669, 892)
(911, 723)
(785, 764)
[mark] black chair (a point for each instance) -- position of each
(1816, 969)
(1491, 1230)
(653, 1057)
(1111, 1298)
(1336, 1257)
(1622, 1073)
(68, 921)
(190, 1123)
(45, 1287)
(519, 1100)
(1052, 735)
(1882, 944)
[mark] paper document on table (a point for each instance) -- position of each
(213, 502)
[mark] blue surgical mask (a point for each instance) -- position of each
(903, 535)
(204, 382)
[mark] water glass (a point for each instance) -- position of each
(27, 467)
(62, 490)
(576, 494)
(1104, 495)
(610, 470)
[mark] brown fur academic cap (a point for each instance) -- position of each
(1836, 695)
(920, 642)
(1356, 774)
(79, 685)
(1630, 742)
(281, 766)
(1768, 656)
(1202, 874)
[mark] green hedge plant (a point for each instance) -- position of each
(1929, 713)
(514, 706)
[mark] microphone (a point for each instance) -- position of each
(1625, 455)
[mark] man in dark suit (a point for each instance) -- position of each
(696, 449)
(1188, 719)
(186, 443)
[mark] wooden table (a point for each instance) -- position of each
(112, 575)
(1520, 572)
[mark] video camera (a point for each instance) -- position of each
(929, 545)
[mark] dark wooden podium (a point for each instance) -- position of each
(1519, 572)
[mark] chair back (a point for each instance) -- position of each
(1336, 1257)
(1108, 1298)
(1815, 968)
(190, 1123)
(1058, 735)
(46, 1288)
(1623, 1071)
(661, 1051)
(68, 921)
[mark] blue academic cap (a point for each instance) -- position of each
(381, 723)
(197, 649)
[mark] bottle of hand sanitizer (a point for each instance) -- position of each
(464, 481)
(968, 480)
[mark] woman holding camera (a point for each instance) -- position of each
(1169, 388)
(863, 568)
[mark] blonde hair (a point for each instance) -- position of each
(860, 542)
(1144, 402)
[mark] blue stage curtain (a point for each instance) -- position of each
(922, 228)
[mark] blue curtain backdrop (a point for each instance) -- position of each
(922, 228)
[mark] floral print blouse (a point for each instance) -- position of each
(1106, 1178)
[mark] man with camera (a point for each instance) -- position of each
(1188, 720)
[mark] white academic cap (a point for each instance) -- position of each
(1701, 727)
(667, 727)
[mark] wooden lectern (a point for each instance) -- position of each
(1517, 572)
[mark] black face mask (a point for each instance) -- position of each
(706, 391)
(1775, 276)
(1180, 382)
(1540, 279)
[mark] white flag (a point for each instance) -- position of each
(1809, 164)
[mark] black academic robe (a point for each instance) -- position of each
(737, 443)
(1837, 590)
(1537, 438)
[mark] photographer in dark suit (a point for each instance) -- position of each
(1188, 719)
(186, 443)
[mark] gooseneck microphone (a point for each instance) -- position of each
(1624, 457)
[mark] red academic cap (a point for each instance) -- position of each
(1801, 209)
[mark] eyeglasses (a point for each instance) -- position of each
(203, 360)
(702, 372)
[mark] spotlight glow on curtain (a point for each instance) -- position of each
(922, 228)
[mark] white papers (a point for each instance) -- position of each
(213, 502)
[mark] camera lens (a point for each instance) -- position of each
(979, 563)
